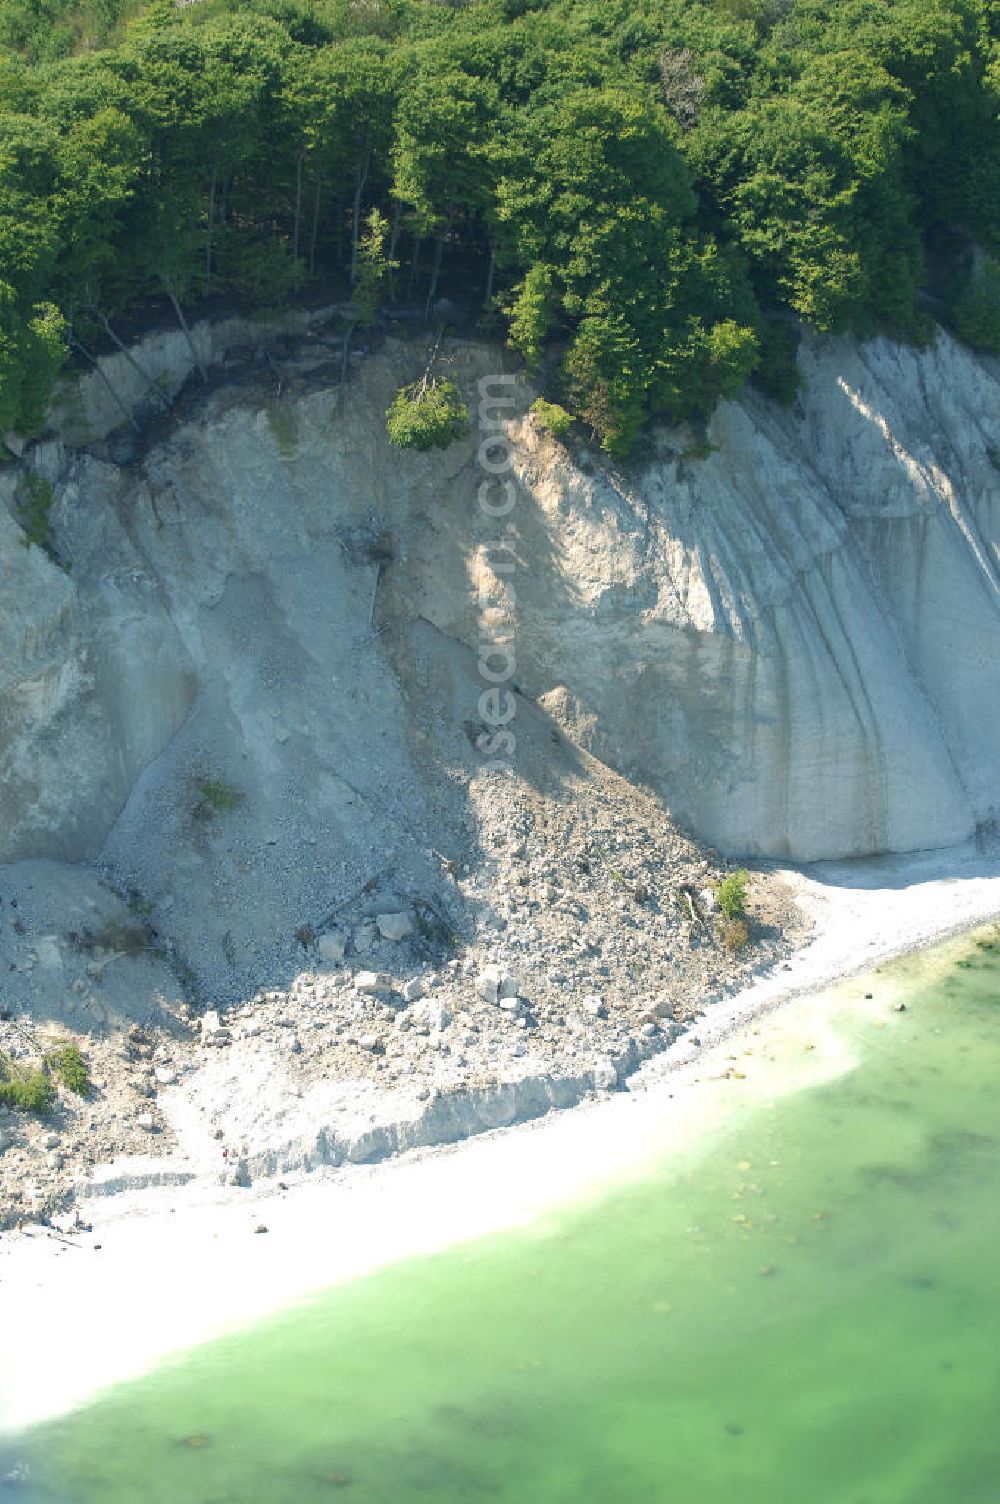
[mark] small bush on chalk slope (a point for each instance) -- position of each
(732, 894)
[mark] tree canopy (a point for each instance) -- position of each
(648, 194)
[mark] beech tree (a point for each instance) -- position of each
(648, 194)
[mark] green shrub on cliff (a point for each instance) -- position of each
(553, 418)
(428, 415)
(732, 894)
(27, 1089)
(33, 511)
(67, 1064)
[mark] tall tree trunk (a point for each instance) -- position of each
(359, 189)
(397, 220)
(178, 310)
(315, 228)
(75, 344)
(490, 276)
(414, 267)
(298, 206)
(438, 255)
(144, 376)
(211, 221)
(348, 335)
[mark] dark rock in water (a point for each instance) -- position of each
(196, 1442)
(734, 1429)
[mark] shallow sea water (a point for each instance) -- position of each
(803, 1310)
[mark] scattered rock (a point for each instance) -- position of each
(413, 989)
(371, 1042)
(373, 983)
(331, 947)
(213, 1031)
(146, 1120)
(593, 1005)
(495, 982)
(394, 926)
(433, 1013)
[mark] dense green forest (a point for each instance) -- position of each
(646, 196)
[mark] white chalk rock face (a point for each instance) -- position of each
(94, 680)
(797, 639)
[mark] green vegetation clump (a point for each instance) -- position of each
(428, 415)
(218, 796)
(121, 936)
(33, 513)
(285, 428)
(66, 1063)
(553, 418)
(732, 894)
(650, 193)
(26, 1089)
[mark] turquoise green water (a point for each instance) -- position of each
(807, 1311)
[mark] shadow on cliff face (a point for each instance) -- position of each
(188, 903)
(75, 953)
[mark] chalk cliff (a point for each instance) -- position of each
(788, 627)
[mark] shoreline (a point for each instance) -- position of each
(181, 1264)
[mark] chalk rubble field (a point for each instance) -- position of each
(250, 855)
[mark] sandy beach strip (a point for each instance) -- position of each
(167, 1268)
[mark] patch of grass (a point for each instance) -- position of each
(25, 1089)
(284, 426)
(425, 929)
(33, 511)
(702, 450)
(734, 933)
(219, 796)
(432, 928)
(732, 894)
(66, 1063)
(118, 935)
